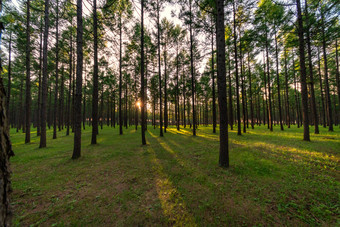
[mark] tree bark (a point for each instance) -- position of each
(55, 115)
(95, 76)
(28, 76)
(303, 82)
(236, 74)
(5, 169)
(44, 79)
(79, 81)
(142, 75)
(192, 73)
(311, 76)
(221, 82)
(328, 97)
(159, 71)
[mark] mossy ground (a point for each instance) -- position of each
(274, 178)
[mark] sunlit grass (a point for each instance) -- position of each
(275, 178)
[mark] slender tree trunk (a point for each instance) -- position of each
(120, 79)
(337, 72)
(9, 77)
(184, 98)
(159, 71)
(250, 95)
(28, 76)
(278, 83)
(40, 74)
(95, 76)
(236, 75)
(61, 101)
(304, 94)
(328, 97)
(55, 115)
(142, 75)
(270, 111)
(311, 77)
(287, 93)
(221, 82)
(68, 117)
(44, 79)
(213, 77)
(79, 81)
(84, 102)
(242, 90)
(321, 91)
(231, 118)
(166, 116)
(192, 72)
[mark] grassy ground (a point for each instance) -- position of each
(275, 178)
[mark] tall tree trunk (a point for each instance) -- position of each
(323, 114)
(95, 76)
(40, 74)
(213, 77)
(250, 95)
(84, 102)
(304, 93)
(311, 77)
(192, 72)
(236, 74)
(5, 169)
(166, 116)
(221, 82)
(28, 76)
(120, 79)
(142, 75)
(55, 115)
(61, 101)
(9, 77)
(44, 79)
(265, 116)
(79, 81)
(159, 71)
(242, 90)
(270, 110)
(278, 82)
(68, 117)
(337, 72)
(230, 111)
(328, 97)
(286, 87)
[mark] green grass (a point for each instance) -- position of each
(274, 178)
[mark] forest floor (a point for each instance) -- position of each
(274, 178)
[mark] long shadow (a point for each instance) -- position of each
(274, 146)
(200, 187)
